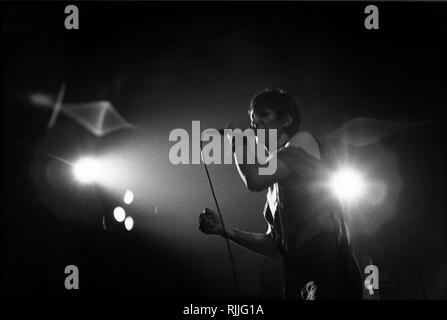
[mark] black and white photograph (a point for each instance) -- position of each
(223, 154)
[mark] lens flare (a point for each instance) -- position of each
(87, 170)
(128, 223)
(128, 197)
(119, 214)
(347, 184)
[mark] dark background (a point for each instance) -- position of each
(163, 65)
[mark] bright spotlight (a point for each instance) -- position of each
(87, 170)
(119, 214)
(347, 184)
(128, 197)
(128, 223)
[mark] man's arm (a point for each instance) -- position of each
(261, 243)
(257, 182)
(302, 157)
(250, 173)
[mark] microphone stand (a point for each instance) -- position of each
(236, 282)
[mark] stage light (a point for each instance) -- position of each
(87, 170)
(347, 184)
(128, 223)
(119, 214)
(128, 197)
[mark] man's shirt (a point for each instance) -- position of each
(301, 207)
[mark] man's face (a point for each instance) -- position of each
(267, 120)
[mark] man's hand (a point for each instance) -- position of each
(230, 127)
(209, 222)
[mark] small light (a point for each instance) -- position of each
(128, 223)
(128, 197)
(119, 214)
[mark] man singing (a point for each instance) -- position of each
(305, 228)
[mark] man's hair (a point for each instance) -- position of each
(281, 103)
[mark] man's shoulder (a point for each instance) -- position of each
(305, 141)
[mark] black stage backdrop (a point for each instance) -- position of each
(163, 65)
